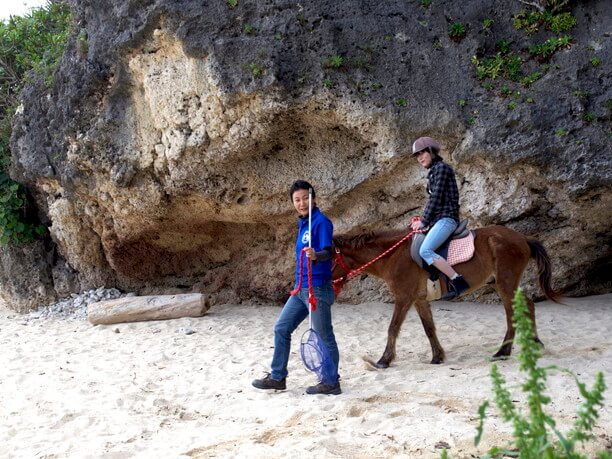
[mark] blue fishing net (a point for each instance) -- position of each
(316, 357)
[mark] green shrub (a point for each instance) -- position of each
(30, 49)
(528, 22)
(588, 117)
(532, 21)
(550, 46)
(563, 22)
(487, 23)
(255, 69)
(425, 3)
(335, 62)
(508, 66)
(503, 46)
(457, 31)
(531, 78)
(13, 207)
(232, 3)
(595, 61)
(401, 102)
(535, 433)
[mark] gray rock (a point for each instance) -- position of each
(174, 143)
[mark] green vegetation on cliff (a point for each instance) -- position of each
(30, 48)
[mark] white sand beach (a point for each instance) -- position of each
(147, 390)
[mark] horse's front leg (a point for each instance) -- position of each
(399, 314)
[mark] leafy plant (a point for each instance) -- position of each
(528, 22)
(487, 23)
(13, 207)
(457, 31)
(582, 95)
(550, 46)
(563, 22)
(532, 21)
(278, 36)
(588, 117)
(232, 3)
(336, 61)
(508, 66)
(425, 3)
(529, 100)
(512, 105)
(531, 78)
(248, 29)
(533, 431)
(401, 102)
(503, 46)
(462, 102)
(595, 61)
(30, 49)
(328, 83)
(561, 132)
(376, 86)
(255, 69)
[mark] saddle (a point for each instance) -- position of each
(458, 248)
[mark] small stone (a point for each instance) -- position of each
(116, 330)
(186, 331)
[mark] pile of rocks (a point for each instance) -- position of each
(75, 307)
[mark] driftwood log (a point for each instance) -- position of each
(139, 308)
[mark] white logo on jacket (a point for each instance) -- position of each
(305, 237)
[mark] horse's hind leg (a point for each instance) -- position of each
(424, 309)
(531, 313)
(506, 292)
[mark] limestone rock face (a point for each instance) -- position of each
(163, 158)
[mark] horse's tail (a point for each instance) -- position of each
(538, 252)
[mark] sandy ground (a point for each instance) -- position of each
(69, 389)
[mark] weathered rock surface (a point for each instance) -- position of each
(163, 156)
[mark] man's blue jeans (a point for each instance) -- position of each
(436, 236)
(292, 315)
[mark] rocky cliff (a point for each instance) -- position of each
(162, 156)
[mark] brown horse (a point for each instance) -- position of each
(501, 255)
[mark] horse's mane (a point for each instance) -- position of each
(370, 238)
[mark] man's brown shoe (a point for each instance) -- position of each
(268, 383)
(326, 389)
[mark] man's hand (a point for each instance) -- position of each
(310, 253)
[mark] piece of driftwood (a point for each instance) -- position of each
(139, 308)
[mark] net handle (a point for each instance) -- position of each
(309, 246)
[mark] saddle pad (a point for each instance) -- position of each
(461, 250)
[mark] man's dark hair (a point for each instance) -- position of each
(301, 185)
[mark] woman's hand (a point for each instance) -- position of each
(416, 224)
(310, 253)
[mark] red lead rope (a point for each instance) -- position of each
(355, 272)
(312, 300)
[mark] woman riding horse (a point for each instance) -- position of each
(441, 213)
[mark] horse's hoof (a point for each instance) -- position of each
(381, 364)
(436, 361)
(497, 357)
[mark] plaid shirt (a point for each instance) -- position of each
(443, 194)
